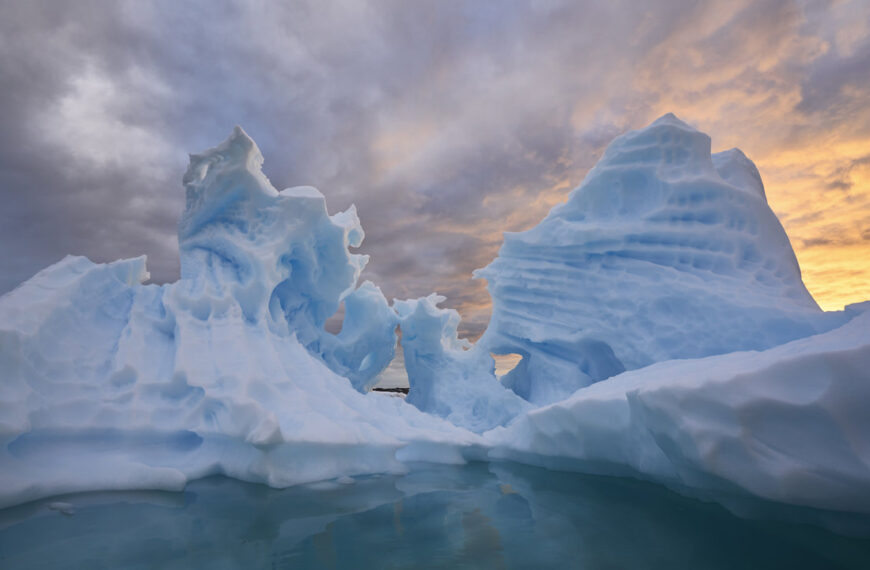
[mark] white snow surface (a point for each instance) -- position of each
(666, 262)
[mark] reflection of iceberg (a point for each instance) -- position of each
(504, 516)
(628, 306)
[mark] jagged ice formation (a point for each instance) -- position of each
(110, 384)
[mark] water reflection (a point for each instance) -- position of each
(478, 516)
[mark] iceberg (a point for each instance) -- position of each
(664, 251)
(665, 333)
(662, 324)
(108, 383)
(278, 259)
(788, 424)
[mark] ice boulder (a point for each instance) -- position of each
(664, 251)
(108, 383)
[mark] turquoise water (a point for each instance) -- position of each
(478, 516)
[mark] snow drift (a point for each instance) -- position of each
(664, 329)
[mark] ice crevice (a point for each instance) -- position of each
(658, 319)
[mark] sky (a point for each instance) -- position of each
(445, 122)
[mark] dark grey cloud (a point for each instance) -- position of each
(833, 80)
(446, 122)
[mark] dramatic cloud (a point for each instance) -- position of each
(446, 122)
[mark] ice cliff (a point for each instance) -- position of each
(663, 326)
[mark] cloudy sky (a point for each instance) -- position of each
(446, 122)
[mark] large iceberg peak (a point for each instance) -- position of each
(278, 257)
(670, 146)
(664, 251)
(237, 151)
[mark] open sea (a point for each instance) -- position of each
(495, 515)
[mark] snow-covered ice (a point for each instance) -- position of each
(663, 326)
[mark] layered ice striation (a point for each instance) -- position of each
(664, 251)
(111, 384)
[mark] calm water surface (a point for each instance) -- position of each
(478, 516)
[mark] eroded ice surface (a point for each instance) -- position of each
(664, 251)
(278, 259)
(445, 377)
